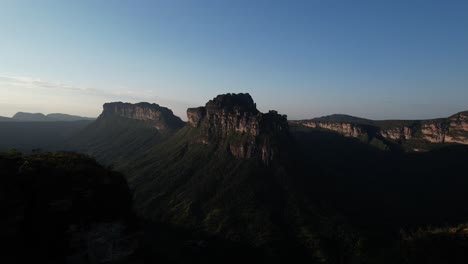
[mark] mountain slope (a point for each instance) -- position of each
(229, 173)
(123, 130)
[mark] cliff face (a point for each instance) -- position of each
(235, 120)
(346, 129)
(159, 117)
(453, 129)
(458, 128)
(434, 132)
(397, 133)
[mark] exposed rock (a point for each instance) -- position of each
(397, 133)
(235, 119)
(160, 117)
(453, 129)
(355, 130)
(346, 129)
(434, 132)
(458, 128)
(195, 115)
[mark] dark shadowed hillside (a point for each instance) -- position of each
(382, 192)
(64, 208)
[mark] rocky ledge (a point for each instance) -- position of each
(453, 129)
(235, 120)
(159, 117)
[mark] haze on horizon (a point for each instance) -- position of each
(379, 60)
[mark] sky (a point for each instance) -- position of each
(374, 59)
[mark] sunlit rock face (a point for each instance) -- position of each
(458, 128)
(357, 130)
(397, 133)
(434, 132)
(235, 118)
(346, 129)
(159, 117)
(453, 129)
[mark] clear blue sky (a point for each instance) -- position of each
(375, 59)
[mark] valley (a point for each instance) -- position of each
(279, 190)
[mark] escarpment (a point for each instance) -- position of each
(453, 129)
(235, 120)
(346, 129)
(159, 117)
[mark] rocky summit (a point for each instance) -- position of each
(161, 118)
(235, 119)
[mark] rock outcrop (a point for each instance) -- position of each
(159, 117)
(346, 129)
(453, 129)
(434, 131)
(235, 120)
(458, 128)
(397, 133)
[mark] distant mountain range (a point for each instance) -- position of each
(39, 117)
(3, 119)
(28, 131)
